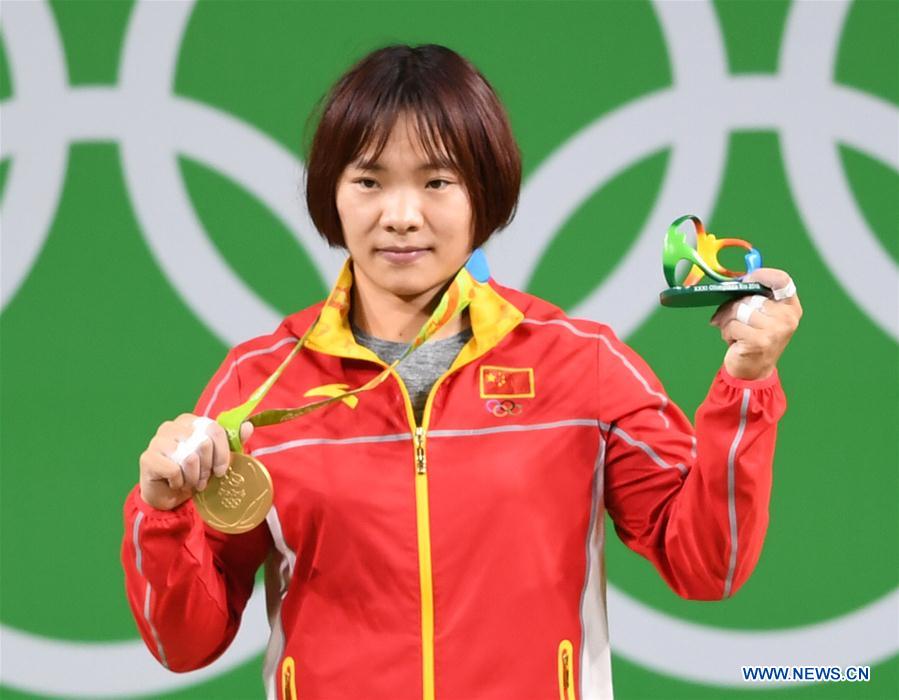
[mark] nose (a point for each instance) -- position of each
(402, 212)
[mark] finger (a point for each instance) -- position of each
(190, 470)
(725, 310)
(156, 466)
(750, 311)
(186, 419)
(787, 311)
(246, 431)
(186, 464)
(735, 331)
(778, 316)
(729, 308)
(175, 430)
(792, 303)
(784, 291)
(205, 455)
(221, 449)
(197, 437)
(769, 276)
(781, 284)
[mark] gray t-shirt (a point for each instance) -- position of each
(421, 369)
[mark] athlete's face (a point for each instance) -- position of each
(407, 223)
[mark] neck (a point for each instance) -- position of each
(399, 318)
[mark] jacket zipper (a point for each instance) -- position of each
(566, 673)
(423, 527)
(288, 679)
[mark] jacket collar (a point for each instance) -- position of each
(492, 318)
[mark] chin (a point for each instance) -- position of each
(406, 280)
(407, 284)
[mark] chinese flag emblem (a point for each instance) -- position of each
(507, 382)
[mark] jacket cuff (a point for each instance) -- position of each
(185, 510)
(769, 381)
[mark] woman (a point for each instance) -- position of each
(441, 535)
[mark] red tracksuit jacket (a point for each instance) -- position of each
(461, 559)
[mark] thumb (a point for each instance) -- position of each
(246, 430)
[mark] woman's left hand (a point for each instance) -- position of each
(756, 346)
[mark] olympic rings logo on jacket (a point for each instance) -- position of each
(503, 408)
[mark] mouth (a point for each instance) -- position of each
(402, 248)
(402, 254)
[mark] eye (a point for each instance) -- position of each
(364, 181)
(446, 182)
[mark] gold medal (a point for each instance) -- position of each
(239, 500)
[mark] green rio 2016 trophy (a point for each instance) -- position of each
(726, 283)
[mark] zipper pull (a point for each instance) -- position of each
(566, 673)
(421, 461)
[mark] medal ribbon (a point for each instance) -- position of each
(454, 301)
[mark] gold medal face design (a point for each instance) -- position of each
(238, 501)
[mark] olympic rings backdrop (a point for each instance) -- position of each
(152, 217)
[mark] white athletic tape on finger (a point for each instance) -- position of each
(785, 292)
(744, 313)
(757, 302)
(189, 446)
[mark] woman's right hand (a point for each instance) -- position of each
(164, 484)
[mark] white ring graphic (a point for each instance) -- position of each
(153, 126)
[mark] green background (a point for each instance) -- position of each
(87, 375)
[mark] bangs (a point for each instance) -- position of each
(428, 124)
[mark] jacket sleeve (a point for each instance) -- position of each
(692, 501)
(187, 584)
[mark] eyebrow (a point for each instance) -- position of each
(377, 167)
